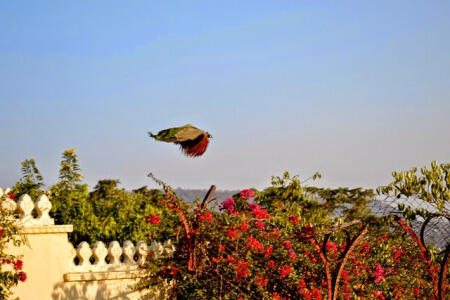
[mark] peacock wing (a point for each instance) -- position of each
(178, 134)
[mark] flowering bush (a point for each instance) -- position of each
(10, 266)
(284, 243)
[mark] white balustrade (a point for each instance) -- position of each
(116, 257)
(25, 207)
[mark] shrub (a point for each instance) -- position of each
(10, 266)
(287, 242)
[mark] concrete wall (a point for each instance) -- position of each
(49, 261)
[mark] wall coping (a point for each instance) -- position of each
(95, 276)
(39, 229)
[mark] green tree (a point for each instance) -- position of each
(31, 182)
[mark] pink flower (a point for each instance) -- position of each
(331, 246)
(246, 194)
(152, 219)
(292, 254)
(228, 205)
(379, 272)
(260, 225)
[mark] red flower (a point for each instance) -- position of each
(316, 294)
(2, 232)
(378, 295)
(230, 258)
(271, 264)
(287, 244)
(294, 220)
(231, 233)
(174, 271)
(307, 230)
(275, 233)
(301, 284)
(260, 213)
(11, 196)
(243, 227)
(22, 276)
(285, 271)
(206, 216)
(342, 248)
(268, 250)
(18, 265)
(246, 194)
(345, 276)
(262, 281)
(331, 246)
(254, 244)
(398, 253)
(242, 269)
(221, 248)
(152, 219)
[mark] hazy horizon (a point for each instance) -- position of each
(349, 89)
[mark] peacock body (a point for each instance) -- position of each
(192, 140)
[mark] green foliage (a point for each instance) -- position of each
(31, 182)
(431, 186)
(107, 213)
(350, 204)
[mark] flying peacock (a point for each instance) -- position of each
(192, 140)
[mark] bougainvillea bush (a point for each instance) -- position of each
(10, 266)
(288, 242)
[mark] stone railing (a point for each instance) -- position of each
(114, 262)
(57, 270)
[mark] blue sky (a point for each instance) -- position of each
(353, 89)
